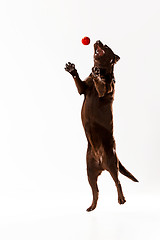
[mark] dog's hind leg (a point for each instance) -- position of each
(113, 170)
(92, 178)
(93, 171)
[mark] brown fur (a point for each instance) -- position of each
(97, 119)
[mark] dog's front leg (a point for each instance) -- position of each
(70, 67)
(99, 82)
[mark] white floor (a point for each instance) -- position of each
(33, 215)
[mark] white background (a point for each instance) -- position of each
(43, 183)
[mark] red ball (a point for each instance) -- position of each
(86, 40)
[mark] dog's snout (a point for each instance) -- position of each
(98, 42)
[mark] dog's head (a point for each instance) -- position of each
(104, 57)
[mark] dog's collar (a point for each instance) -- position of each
(109, 74)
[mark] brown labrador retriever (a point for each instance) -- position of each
(97, 119)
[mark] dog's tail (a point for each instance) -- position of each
(126, 172)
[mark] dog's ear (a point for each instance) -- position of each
(116, 58)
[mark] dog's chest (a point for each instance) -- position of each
(97, 109)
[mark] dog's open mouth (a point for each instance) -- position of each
(99, 51)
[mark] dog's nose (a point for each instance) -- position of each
(98, 42)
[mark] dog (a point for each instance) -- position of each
(97, 119)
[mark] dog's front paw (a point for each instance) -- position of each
(95, 72)
(70, 67)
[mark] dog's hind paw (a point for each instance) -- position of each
(121, 200)
(91, 208)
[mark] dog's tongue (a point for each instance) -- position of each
(99, 51)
